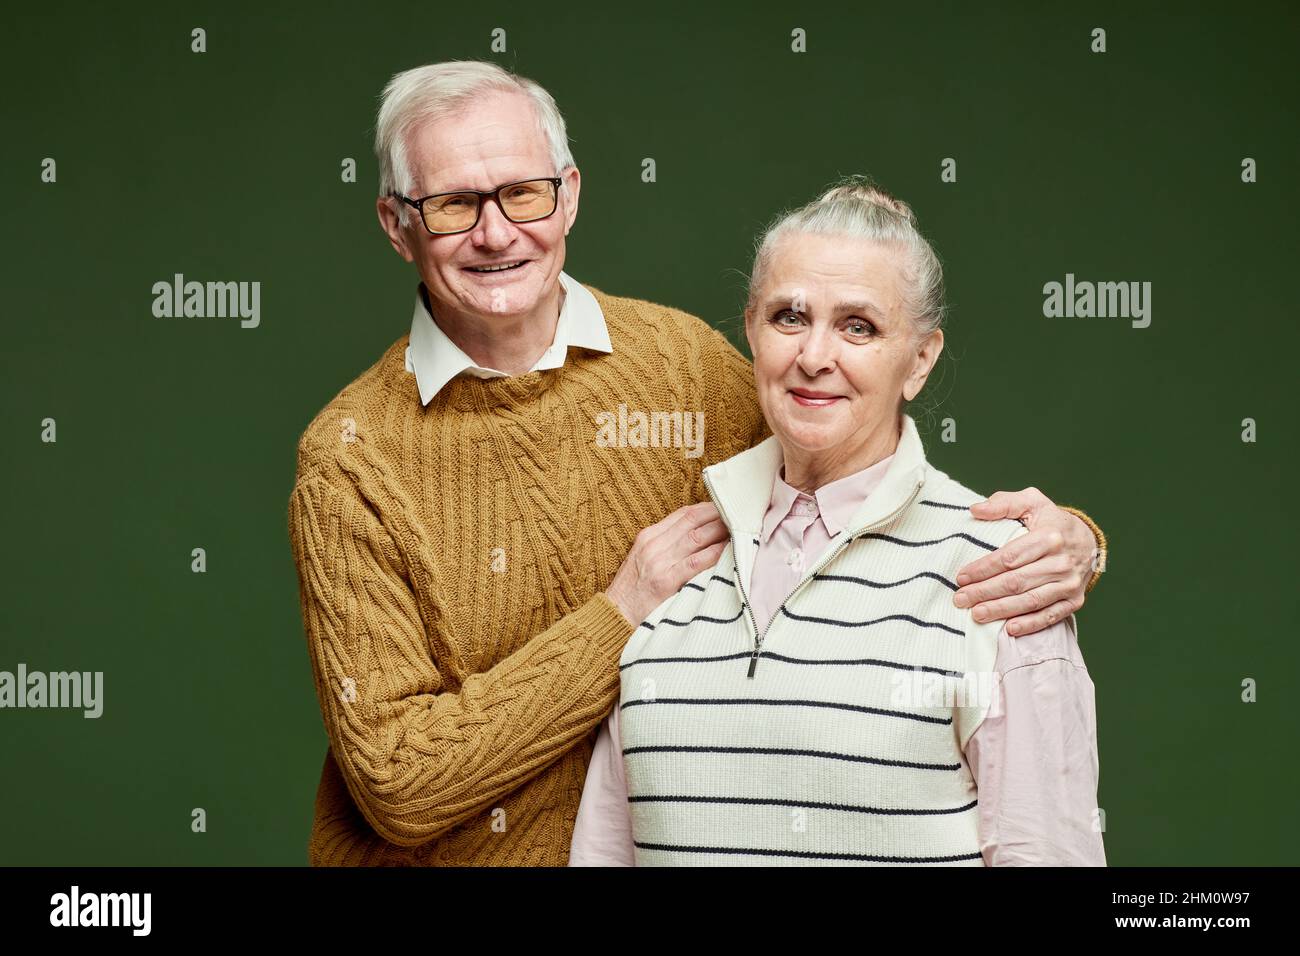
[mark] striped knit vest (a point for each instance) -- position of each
(837, 735)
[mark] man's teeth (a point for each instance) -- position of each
(511, 265)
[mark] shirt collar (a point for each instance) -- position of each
(837, 501)
(435, 359)
(783, 498)
(741, 486)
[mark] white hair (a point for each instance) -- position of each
(431, 92)
(858, 209)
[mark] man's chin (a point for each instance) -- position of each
(502, 297)
(502, 307)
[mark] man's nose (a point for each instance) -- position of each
(494, 231)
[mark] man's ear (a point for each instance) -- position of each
(570, 190)
(386, 208)
(927, 353)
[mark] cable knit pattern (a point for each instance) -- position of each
(452, 560)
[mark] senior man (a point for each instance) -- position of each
(471, 555)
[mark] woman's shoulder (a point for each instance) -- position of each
(709, 598)
(944, 503)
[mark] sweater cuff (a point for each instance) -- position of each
(601, 619)
(1099, 562)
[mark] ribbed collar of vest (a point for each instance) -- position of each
(741, 486)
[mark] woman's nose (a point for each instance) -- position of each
(817, 354)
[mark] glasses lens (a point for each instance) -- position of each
(450, 213)
(524, 202)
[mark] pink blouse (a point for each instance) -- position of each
(1033, 759)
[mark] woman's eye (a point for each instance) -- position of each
(784, 314)
(860, 329)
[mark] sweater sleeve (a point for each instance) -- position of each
(1099, 563)
(419, 759)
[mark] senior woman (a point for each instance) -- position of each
(815, 697)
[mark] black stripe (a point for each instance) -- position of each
(921, 544)
(805, 854)
(785, 752)
(888, 617)
(647, 625)
(715, 577)
(942, 504)
(856, 708)
(770, 655)
(862, 661)
(845, 807)
(701, 617)
(886, 584)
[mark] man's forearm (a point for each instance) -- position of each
(417, 760)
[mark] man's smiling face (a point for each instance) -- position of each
(495, 140)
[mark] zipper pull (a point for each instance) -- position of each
(753, 663)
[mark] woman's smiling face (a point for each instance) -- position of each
(835, 352)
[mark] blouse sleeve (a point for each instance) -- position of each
(602, 835)
(1034, 756)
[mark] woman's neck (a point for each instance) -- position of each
(807, 471)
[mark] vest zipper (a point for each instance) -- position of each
(744, 599)
(826, 559)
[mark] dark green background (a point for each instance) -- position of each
(175, 433)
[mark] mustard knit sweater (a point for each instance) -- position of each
(452, 560)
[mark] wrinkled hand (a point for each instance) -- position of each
(665, 556)
(1037, 579)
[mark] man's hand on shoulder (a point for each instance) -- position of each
(1040, 577)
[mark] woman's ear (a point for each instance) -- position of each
(927, 354)
(749, 314)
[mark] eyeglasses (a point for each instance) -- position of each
(445, 214)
